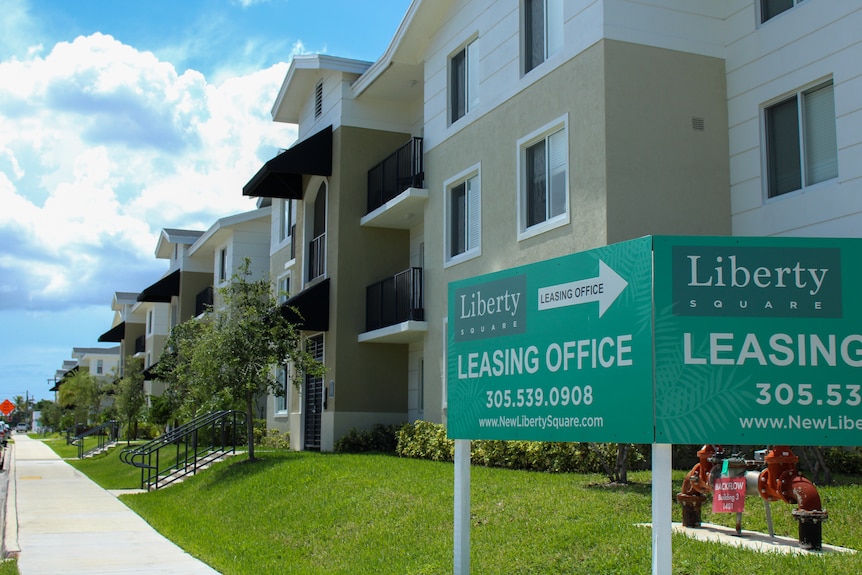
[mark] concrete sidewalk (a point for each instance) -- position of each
(59, 521)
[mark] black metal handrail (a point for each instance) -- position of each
(317, 257)
(402, 170)
(187, 448)
(106, 434)
(394, 300)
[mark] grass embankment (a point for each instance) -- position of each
(321, 513)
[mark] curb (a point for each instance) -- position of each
(10, 549)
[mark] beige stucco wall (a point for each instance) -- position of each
(635, 167)
(663, 176)
(373, 376)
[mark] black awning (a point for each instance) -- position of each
(116, 334)
(313, 307)
(281, 177)
(148, 372)
(162, 290)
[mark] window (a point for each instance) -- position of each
(150, 322)
(282, 376)
(222, 265)
(463, 216)
(772, 8)
(463, 82)
(100, 366)
(287, 222)
(544, 198)
(283, 288)
(543, 31)
(318, 99)
(801, 144)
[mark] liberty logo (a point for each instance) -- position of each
(757, 281)
(491, 309)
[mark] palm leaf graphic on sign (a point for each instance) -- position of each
(685, 391)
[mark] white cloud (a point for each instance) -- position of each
(102, 146)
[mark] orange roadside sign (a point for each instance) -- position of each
(7, 407)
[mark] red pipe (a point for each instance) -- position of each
(805, 494)
(780, 481)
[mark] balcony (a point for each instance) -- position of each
(396, 198)
(203, 300)
(317, 257)
(140, 344)
(394, 311)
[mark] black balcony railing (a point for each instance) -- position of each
(394, 300)
(401, 170)
(203, 300)
(140, 344)
(317, 257)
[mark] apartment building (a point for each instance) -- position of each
(200, 263)
(495, 133)
(325, 259)
(795, 117)
(127, 328)
(103, 363)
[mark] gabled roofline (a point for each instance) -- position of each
(227, 222)
(408, 44)
(302, 73)
(383, 63)
(174, 236)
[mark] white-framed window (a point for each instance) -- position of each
(100, 366)
(222, 265)
(801, 146)
(543, 165)
(463, 81)
(287, 221)
(283, 288)
(463, 218)
(150, 322)
(282, 398)
(542, 24)
(772, 8)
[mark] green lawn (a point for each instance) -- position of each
(315, 513)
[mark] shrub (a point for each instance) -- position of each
(380, 438)
(274, 439)
(425, 440)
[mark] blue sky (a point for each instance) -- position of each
(120, 118)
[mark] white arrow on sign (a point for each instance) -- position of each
(604, 289)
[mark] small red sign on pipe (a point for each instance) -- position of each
(728, 495)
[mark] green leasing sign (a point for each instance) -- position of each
(758, 340)
(753, 341)
(559, 350)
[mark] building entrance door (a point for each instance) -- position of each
(313, 401)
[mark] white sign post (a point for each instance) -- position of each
(662, 505)
(462, 507)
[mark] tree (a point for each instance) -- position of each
(51, 414)
(22, 409)
(228, 357)
(80, 394)
(130, 398)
